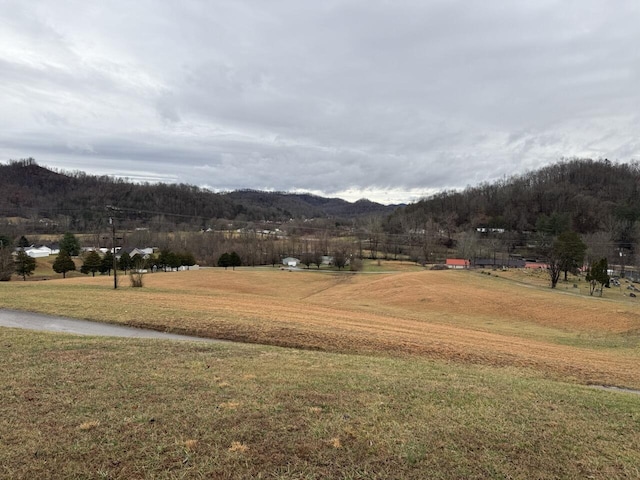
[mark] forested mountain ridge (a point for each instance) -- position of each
(79, 200)
(589, 195)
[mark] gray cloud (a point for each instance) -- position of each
(378, 99)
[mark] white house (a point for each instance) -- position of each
(290, 261)
(37, 252)
(142, 252)
(190, 267)
(104, 250)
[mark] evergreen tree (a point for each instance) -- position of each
(598, 274)
(235, 260)
(63, 264)
(23, 242)
(553, 225)
(164, 259)
(5, 241)
(125, 263)
(25, 265)
(70, 244)
(92, 263)
(224, 260)
(106, 264)
(570, 250)
(186, 259)
(173, 261)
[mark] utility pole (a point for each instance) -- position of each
(113, 250)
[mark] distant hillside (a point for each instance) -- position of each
(299, 205)
(587, 195)
(78, 200)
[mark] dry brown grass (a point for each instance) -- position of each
(82, 407)
(459, 316)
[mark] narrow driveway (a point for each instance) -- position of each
(48, 323)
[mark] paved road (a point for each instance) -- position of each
(48, 323)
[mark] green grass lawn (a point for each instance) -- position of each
(78, 407)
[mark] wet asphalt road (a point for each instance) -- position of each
(48, 323)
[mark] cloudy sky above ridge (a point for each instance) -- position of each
(378, 99)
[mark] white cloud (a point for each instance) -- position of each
(378, 99)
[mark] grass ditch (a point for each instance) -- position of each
(78, 407)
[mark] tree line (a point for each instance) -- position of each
(593, 194)
(52, 201)
(526, 217)
(92, 262)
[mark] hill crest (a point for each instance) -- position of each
(77, 199)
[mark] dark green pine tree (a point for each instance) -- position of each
(224, 260)
(598, 273)
(25, 265)
(106, 264)
(71, 244)
(92, 263)
(234, 259)
(186, 259)
(570, 250)
(5, 241)
(164, 259)
(63, 264)
(23, 242)
(173, 261)
(125, 263)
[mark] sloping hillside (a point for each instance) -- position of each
(78, 200)
(587, 194)
(457, 316)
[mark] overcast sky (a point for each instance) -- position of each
(378, 99)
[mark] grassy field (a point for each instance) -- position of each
(413, 374)
(459, 316)
(78, 407)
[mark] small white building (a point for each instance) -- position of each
(37, 252)
(104, 250)
(188, 267)
(142, 252)
(290, 261)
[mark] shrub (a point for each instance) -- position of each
(136, 277)
(355, 265)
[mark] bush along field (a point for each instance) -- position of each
(404, 375)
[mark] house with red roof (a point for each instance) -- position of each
(538, 265)
(457, 263)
